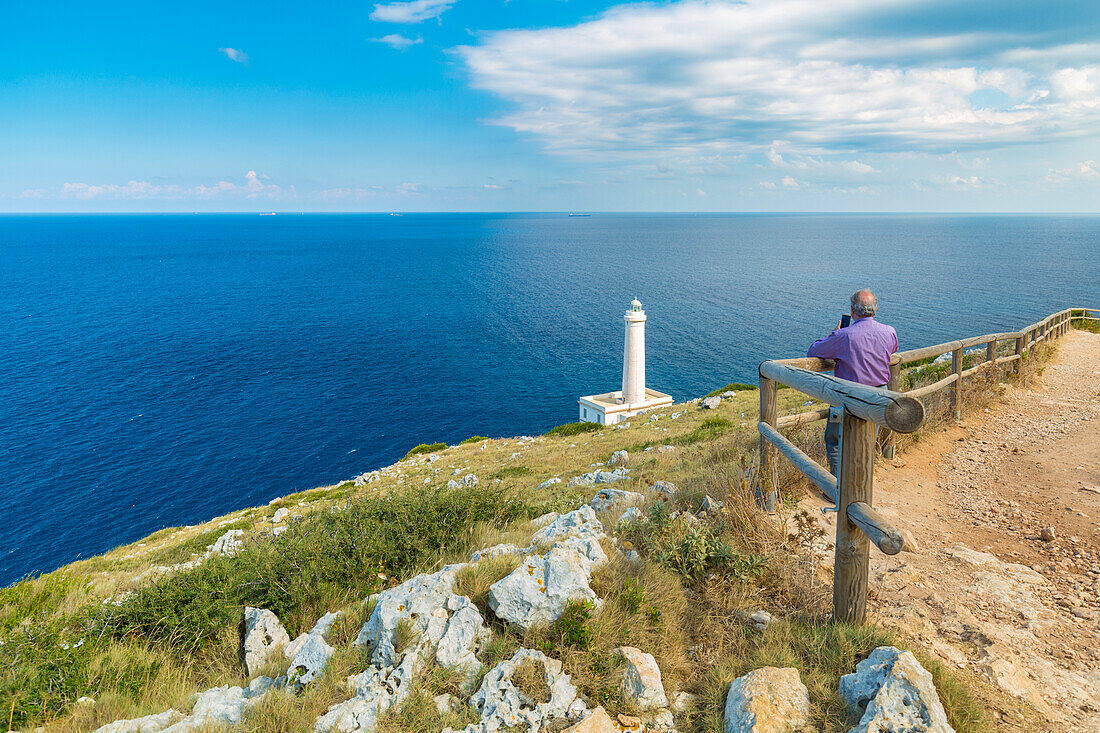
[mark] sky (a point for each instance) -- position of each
(549, 105)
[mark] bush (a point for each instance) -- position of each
(473, 439)
(425, 448)
(321, 561)
(711, 428)
(575, 428)
(572, 626)
(731, 387)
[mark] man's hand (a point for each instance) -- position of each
(838, 325)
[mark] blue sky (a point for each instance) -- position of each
(532, 105)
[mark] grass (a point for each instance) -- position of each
(176, 635)
(473, 439)
(1090, 326)
(731, 387)
(574, 428)
(425, 448)
(512, 472)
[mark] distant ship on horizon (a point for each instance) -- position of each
(580, 215)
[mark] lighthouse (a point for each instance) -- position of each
(611, 408)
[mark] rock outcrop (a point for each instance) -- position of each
(893, 692)
(768, 700)
(641, 685)
(261, 635)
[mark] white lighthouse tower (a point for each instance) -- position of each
(612, 407)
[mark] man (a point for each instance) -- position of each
(862, 353)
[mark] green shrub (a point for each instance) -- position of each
(731, 387)
(473, 439)
(425, 448)
(711, 428)
(575, 428)
(319, 562)
(573, 626)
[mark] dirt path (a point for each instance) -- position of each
(987, 589)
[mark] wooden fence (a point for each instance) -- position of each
(866, 409)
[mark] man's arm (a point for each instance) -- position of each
(828, 347)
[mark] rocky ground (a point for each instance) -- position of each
(1005, 512)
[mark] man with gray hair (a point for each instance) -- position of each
(862, 354)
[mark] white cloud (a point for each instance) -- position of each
(398, 41)
(710, 78)
(416, 11)
(253, 187)
(790, 183)
(1086, 170)
(235, 54)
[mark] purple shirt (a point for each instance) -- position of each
(862, 351)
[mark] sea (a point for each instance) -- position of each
(160, 370)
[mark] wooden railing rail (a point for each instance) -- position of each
(864, 410)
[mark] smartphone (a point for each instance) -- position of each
(845, 321)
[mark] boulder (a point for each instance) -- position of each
(711, 506)
(768, 700)
(666, 449)
(545, 519)
(711, 403)
(223, 706)
(309, 662)
(538, 590)
(611, 498)
(228, 544)
(494, 551)
(892, 691)
(601, 477)
(633, 514)
(666, 489)
(148, 724)
(619, 458)
(548, 483)
(503, 705)
(579, 523)
(598, 721)
(280, 515)
(641, 685)
(442, 624)
(376, 690)
(759, 620)
(261, 635)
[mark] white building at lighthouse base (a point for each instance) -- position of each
(609, 408)
(613, 407)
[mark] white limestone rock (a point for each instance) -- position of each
(545, 519)
(579, 523)
(280, 515)
(376, 691)
(666, 449)
(666, 489)
(261, 635)
(502, 705)
(633, 514)
(494, 551)
(768, 700)
(619, 458)
(894, 692)
(229, 544)
(601, 477)
(538, 590)
(548, 483)
(148, 724)
(598, 721)
(223, 706)
(446, 625)
(641, 685)
(611, 498)
(711, 403)
(309, 661)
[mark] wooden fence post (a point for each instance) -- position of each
(956, 386)
(890, 449)
(851, 558)
(768, 413)
(991, 350)
(1019, 353)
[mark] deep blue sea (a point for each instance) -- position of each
(162, 370)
